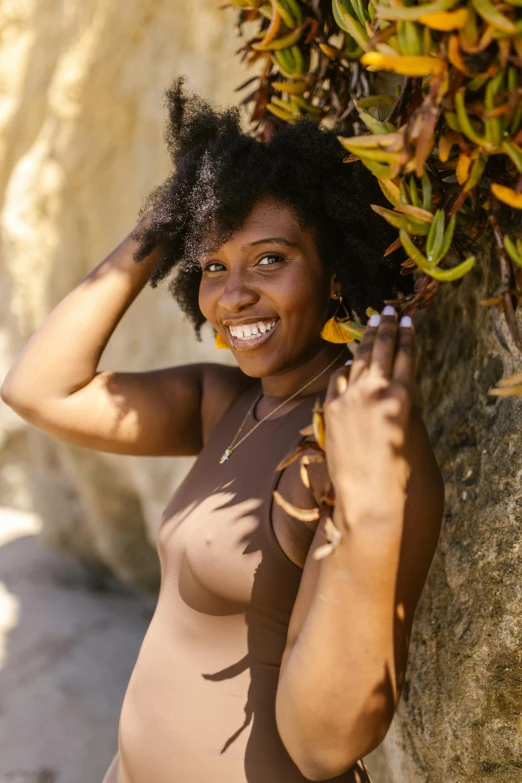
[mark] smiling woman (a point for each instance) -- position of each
(267, 296)
(261, 663)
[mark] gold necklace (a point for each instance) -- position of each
(233, 446)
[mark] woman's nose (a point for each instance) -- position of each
(237, 295)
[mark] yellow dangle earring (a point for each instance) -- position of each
(332, 331)
(219, 342)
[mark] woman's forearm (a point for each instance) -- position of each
(63, 353)
(338, 690)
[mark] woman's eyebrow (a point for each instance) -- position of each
(274, 241)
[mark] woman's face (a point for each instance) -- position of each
(267, 292)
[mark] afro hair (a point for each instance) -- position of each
(220, 172)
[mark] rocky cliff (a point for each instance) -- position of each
(81, 144)
(459, 718)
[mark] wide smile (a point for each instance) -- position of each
(245, 337)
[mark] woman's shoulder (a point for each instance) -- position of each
(222, 385)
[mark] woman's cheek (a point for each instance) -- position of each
(204, 302)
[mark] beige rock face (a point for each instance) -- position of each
(81, 144)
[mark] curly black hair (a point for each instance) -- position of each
(220, 173)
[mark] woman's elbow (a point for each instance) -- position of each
(12, 396)
(317, 759)
(317, 766)
(19, 404)
(321, 758)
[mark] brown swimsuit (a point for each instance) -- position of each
(200, 705)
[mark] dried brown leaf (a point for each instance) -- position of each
(309, 459)
(333, 535)
(318, 425)
(393, 247)
(302, 514)
(307, 446)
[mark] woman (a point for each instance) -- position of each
(262, 664)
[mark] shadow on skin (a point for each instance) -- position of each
(240, 505)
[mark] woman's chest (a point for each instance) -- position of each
(218, 541)
(214, 547)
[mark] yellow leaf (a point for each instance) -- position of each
(294, 88)
(513, 380)
(446, 142)
(404, 64)
(417, 212)
(508, 391)
(283, 115)
(390, 190)
(463, 166)
(446, 20)
(373, 141)
(507, 195)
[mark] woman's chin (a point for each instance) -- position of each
(258, 366)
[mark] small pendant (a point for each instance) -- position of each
(225, 456)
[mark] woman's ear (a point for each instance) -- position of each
(335, 287)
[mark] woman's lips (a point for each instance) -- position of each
(247, 343)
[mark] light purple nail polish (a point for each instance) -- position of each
(406, 321)
(388, 310)
(350, 361)
(374, 320)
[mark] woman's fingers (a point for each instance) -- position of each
(404, 365)
(363, 354)
(385, 343)
(338, 382)
(386, 349)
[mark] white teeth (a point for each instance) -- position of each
(251, 331)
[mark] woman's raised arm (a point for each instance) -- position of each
(54, 383)
(346, 654)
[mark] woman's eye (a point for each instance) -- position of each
(214, 267)
(268, 260)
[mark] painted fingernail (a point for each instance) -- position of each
(374, 320)
(388, 310)
(406, 321)
(350, 361)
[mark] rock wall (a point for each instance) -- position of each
(81, 144)
(459, 718)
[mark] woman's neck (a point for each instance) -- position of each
(287, 383)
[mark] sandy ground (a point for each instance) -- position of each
(68, 644)
(67, 648)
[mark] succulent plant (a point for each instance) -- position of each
(446, 149)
